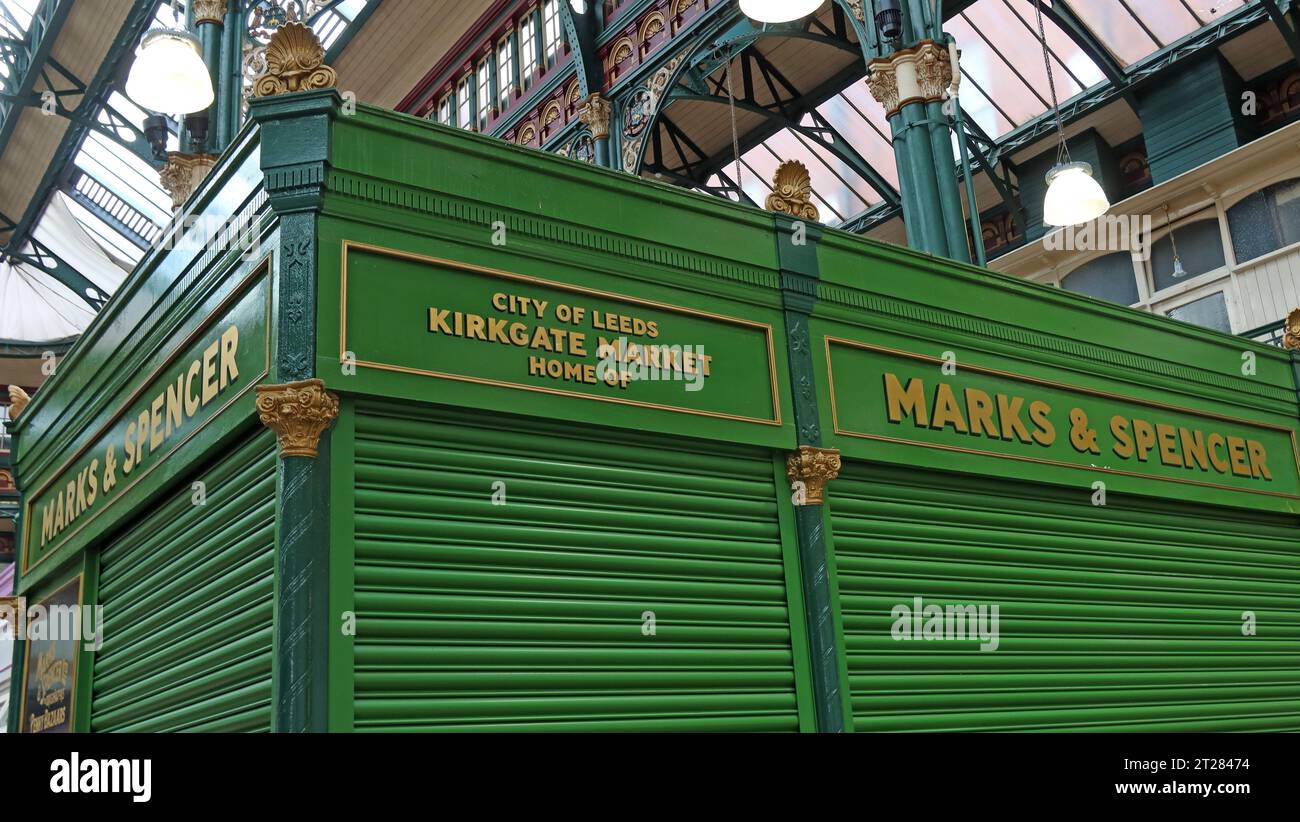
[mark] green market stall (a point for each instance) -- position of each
(403, 428)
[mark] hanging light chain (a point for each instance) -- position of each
(735, 137)
(1062, 153)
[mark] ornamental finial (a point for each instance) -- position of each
(1291, 332)
(18, 399)
(792, 192)
(295, 61)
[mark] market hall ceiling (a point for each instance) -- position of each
(77, 37)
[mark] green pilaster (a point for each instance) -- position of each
(922, 140)
(210, 37)
(295, 150)
(797, 251)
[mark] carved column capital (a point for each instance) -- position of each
(595, 112)
(1290, 337)
(209, 11)
(18, 399)
(933, 70)
(295, 61)
(792, 192)
(814, 467)
(183, 173)
(882, 82)
(921, 74)
(298, 412)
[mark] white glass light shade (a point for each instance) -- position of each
(168, 74)
(1073, 196)
(778, 11)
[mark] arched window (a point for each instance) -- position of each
(1108, 278)
(1266, 220)
(1200, 249)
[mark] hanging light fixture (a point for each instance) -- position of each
(889, 19)
(1073, 194)
(778, 11)
(1179, 272)
(168, 74)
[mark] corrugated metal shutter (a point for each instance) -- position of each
(1126, 617)
(188, 606)
(529, 615)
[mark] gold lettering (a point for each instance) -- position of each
(229, 343)
(1257, 457)
(906, 402)
(210, 372)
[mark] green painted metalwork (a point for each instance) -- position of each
(295, 131)
(96, 93)
(797, 254)
(26, 60)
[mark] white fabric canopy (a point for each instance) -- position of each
(35, 307)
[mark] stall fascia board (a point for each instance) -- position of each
(1001, 323)
(164, 300)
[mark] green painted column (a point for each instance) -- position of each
(797, 251)
(909, 80)
(295, 139)
(209, 16)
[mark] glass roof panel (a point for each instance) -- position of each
(1117, 29)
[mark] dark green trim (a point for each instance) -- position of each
(799, 276)
(295, 153)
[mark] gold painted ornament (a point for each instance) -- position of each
(298, 412)
(792, 192)
(295, 61)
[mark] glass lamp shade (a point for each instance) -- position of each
(169, 75)
(778, 11)
(1073, 196)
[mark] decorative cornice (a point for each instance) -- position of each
(792, 192)
(209, 11)
(297, 412)
(183, 173)
(295, 61)
(1290, 337)
(18, 399)
(814, 467)
(595, 112)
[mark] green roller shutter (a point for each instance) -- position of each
(187, 596)
(529, 615)
(1126, 617)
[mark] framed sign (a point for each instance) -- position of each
(50, 661)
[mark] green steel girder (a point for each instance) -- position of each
(997, 151)
(791, 107)
(1277, 13)
(581, 31)
(36, 254)
(96, 95)
(1143, 71)
(1065, 19)
(26, 60)
(336, 48)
